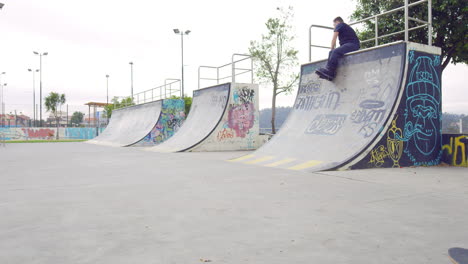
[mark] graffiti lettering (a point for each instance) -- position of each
(310, 87)
(245, 95)
(368, 129)
(456, 151)
(378, 156)
(225, 134)
(219, 100)
(366, 116)
(371, 104)
(326, 124)
(330, 100)
(43, 133)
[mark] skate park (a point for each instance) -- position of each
(360, 172)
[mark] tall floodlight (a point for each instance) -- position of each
(182, 34)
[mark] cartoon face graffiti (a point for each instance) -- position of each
(422, 116)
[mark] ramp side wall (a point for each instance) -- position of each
(414, 137)
(239, 127)
(170, 120)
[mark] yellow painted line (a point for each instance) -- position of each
(255, 161)
(242, 158)
(280, 162)
(306, 165)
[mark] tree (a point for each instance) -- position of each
(77, 118)
(187, 100)
(275, 58)
(116, 104)
(53, 102)
(449, 22)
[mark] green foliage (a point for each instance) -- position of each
(188, 102)
(449, 19)
(275, 57)
(116, 104)
(53, 102)
(77, 118)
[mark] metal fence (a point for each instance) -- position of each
(216, 72)
(171, 87)
(375, 19)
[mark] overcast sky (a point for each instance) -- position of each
(88, 39)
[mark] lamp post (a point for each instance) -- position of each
(40, 83)
(3, 101)
(131, 78)
(34, 94)
(182, 34)
(107, 84)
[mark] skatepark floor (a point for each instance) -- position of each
(82, 203)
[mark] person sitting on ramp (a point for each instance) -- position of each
(348, 42)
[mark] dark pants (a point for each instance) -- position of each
(338, 53)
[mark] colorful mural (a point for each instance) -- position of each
(171, 119)
(241, 121)
(415, 136)
(41, 133)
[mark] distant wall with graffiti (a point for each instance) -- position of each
(41, 133)
(170, 120)
(239, 128)
(455, 149)
(414, 137)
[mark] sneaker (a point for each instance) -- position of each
(325, 74)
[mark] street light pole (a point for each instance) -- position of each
(131, 78)
(107, 81)
(3, 102)
(34, 94)
(182, 34)
(40, 83)
(1, 99)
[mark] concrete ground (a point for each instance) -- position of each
(81, 203)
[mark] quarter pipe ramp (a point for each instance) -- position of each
(223, 117)
(382, 110)
(143, 125)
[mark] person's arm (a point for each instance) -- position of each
(333, 43)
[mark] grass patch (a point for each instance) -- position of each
(44, 141)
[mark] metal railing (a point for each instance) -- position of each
(169, 88)
(375, 18)
(234, 70)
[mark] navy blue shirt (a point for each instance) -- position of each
(346, 34)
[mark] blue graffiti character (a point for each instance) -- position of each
(422, 114)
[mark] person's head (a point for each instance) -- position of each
(337, 20)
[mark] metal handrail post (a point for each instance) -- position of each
(310, 37)
(376, 30)
(252, 70)
(199, 77)
(233, 70)
(406, 21)
(429, 21)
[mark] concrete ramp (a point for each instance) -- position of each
(138, 124)
(334, 125)
(221, 118)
